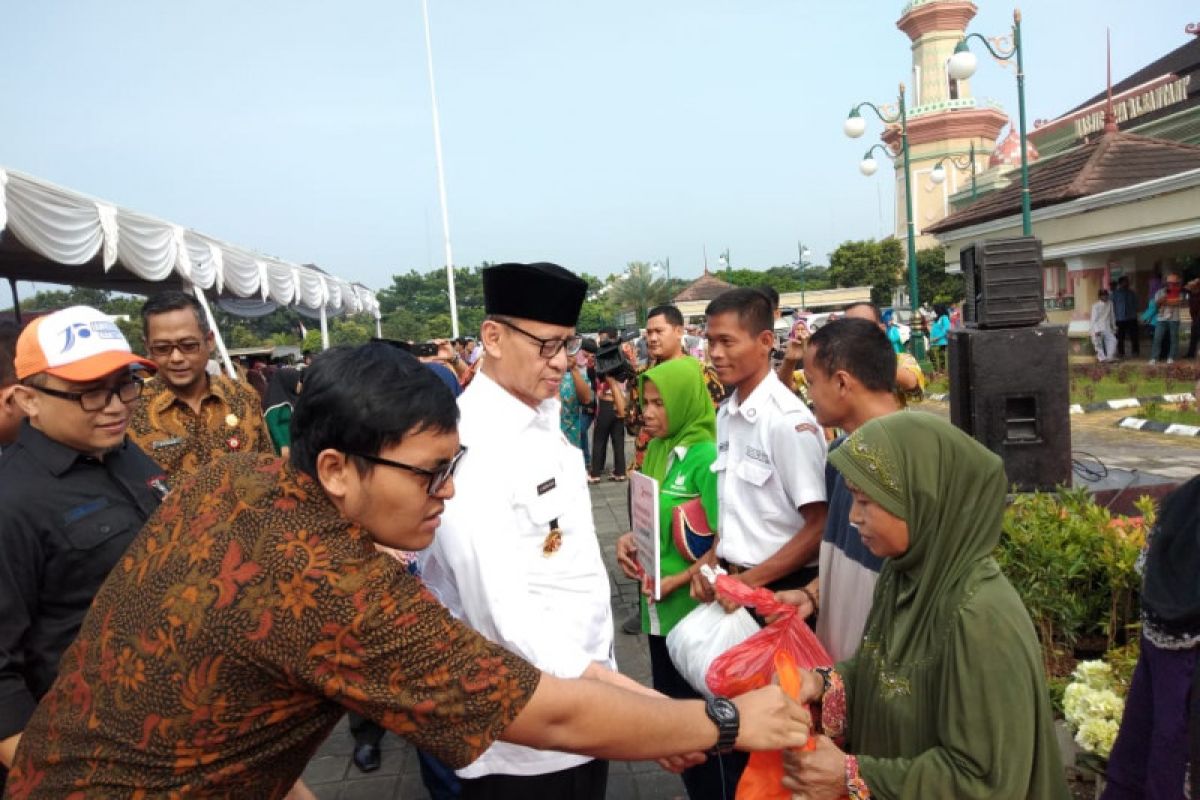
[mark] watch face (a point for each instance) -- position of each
(724, 710)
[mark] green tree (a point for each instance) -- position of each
(878, 264)
(933, 282)
(638, 290)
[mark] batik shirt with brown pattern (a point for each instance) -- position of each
(182, 441)
(242, 622)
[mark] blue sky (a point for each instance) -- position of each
(591, 134)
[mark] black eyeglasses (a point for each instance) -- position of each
(549, 347)
(97, 399)
(437, 477)
(164, 349)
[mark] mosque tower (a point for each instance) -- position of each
(943, 118)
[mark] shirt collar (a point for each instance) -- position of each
(509, 413)
(53, 455)
(751, 408)
(166, 397)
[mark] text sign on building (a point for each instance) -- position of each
(1132, 107)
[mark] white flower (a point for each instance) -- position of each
(1096, 674)
(1097, 736)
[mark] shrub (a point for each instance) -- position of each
(1072, 563)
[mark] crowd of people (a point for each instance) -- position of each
(1115, 326)
(197, 580)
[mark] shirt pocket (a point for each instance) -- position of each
(97, 528)
(753, 473)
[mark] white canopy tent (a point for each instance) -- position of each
(50, 234)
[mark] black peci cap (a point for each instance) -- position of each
(541, 292)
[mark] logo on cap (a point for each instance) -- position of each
(83, 330)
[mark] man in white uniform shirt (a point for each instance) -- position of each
(770, 455)
(516, 556)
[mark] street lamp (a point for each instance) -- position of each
(938, 173)
(854, 127)
(802, 254)
(962, 66)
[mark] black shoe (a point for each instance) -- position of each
(633, 623)
(366, 757)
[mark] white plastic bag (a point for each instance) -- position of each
(705, 633)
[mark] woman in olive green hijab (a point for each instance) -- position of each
(945, 697)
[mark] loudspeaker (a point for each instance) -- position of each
(1003, 281)
(1009, 389)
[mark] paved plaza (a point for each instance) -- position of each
(332, 776)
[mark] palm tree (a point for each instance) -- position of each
(639, 290)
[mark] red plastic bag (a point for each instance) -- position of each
(751, 665)
(781, 648)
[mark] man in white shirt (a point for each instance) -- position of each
(1103, 327)
(516, 556)
(770, 455)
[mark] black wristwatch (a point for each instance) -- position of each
(724, 715)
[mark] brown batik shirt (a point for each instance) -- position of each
(182, 441)
(241, 623)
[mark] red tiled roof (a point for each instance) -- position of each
(1111, 161)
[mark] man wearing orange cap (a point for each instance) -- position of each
(73, 492)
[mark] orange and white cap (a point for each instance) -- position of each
(78, 344)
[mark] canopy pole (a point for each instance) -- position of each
(12, 287)
(212, 326)
(324, 329)
(441, 176)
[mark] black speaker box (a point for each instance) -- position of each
(1003, 282)
(1009, 389)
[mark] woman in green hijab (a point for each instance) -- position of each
(945, 697)
(677, 411)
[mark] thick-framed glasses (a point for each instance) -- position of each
(437, 477)
(97, 399)
(549, 347)
(189, 347)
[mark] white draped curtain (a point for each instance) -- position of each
(71, 229)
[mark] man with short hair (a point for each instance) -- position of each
(517, 557)
(10, 411)
(189, 418)
(73, 493)
(910, 378)
(253, 610)
(850, 369)
(1125, 313)
(771, 455)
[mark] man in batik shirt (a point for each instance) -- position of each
(188, 418)
(253, 610)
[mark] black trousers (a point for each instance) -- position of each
(717, 778)
(608, 426)
(586, 782)
(1128, 329)
(1191, 351)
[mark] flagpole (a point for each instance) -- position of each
(441, 176)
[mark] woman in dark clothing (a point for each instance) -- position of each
(1157, 752)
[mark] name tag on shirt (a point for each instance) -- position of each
(546, 486)
(161, 443)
